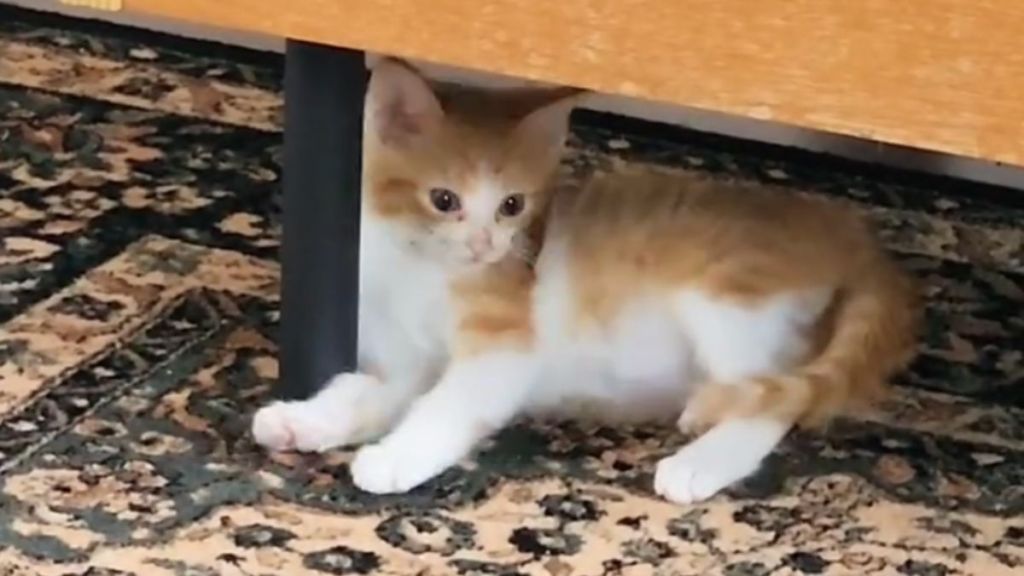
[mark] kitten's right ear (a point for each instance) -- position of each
(400, 105)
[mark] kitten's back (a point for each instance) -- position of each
(665, 229)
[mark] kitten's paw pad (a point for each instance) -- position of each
(285, 426)
(685, 478)
(387, 469)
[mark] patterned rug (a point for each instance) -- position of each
(138, 302)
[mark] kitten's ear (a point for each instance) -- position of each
(400, 105)
(540, 136)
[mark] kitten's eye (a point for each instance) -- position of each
(444, 200)
(512, 205)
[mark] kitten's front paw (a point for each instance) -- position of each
(692, 475)
(285, 426)
(390, 468)
(334, 417)
(270, 428)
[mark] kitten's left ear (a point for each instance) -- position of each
(541, 135)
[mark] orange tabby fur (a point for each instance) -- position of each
(493, 308)
(644, 231)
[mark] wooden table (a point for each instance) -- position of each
(942, 75)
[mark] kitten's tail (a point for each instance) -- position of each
(873, 334)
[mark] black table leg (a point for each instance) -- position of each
(324, 91)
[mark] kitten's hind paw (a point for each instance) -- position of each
(723, 456)
(684, 479)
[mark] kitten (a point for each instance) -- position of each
(737, 310)
(452, 185)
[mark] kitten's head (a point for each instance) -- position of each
(459, 177)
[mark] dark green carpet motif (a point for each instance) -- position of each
(138, 300)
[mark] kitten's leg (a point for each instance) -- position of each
(722, 456)
(475, 397)
(352, 408)
(734, 343)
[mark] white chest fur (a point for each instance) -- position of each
(404, 309)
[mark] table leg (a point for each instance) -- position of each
(324, 92)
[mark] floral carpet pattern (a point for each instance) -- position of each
(138, 315)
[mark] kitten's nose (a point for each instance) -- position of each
(481, 242)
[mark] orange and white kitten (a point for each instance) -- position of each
(738, 311)
(451, 188)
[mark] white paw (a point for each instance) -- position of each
(270, 428)
(684, 480)
(390, 468)
(724, 455)
(337, 416)
(293, 426)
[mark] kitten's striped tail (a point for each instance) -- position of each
(873, 335)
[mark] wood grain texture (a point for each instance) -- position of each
(945, 75)
(107, 5)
